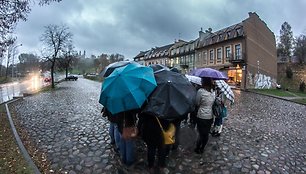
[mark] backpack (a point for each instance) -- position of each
(217, 107)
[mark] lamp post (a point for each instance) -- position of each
(13, 58)
(258, 67)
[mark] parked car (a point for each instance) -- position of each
(47, 79)
(71, 77)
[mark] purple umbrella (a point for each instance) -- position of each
(209, 72)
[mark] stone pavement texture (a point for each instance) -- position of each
(261, 135)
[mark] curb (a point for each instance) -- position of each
(275, 97)
(23, 150)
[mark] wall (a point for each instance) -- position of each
(260, 46)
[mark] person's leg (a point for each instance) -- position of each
(217, 123)
(200, 128)
(130, 152)
(161, 156)
(111, 132)
(177, 135)
(123, 150)
(151, 151)
(117, 136)
(205, 133)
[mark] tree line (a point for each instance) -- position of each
(289, 46)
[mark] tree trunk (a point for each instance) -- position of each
(66, 72)
(52, 74)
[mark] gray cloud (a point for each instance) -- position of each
(127, 27)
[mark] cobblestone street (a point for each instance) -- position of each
(261, 135)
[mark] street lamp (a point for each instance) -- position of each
(13, 58)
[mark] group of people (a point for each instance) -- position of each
(150, 127)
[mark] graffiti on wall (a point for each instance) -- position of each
(261, 81)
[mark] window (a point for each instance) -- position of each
(237, 52)
(227, 53)
(204, 57)
(228, 34)
(181, 60)
(219, 55)
(187, 59)
(191, 59)
(198, 58)
(211, 56)
(220, 37)
(239, 31)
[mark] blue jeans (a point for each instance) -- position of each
(127, 151)
(114, 134)
(218, 121)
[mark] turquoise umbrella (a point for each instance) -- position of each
(127, 88)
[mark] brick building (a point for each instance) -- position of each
(245, 51)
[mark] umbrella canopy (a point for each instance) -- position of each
(127, 88)
(194, 79)
(158, 67)
(173, 97)
(174, 69)
(226, 89)
(111, 67)
(209, 72)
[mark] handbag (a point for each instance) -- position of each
(130, 131)
(168, 135)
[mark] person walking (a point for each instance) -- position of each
(113, 128)
(218, 123)
(127, 145)
(151, 134)
(204, 101)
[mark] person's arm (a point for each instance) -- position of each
(198, 98)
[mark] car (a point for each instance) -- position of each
(71, 77)
(47, 79)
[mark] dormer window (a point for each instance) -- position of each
(228, 34)
(239, 31)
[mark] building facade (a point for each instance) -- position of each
(245, 51)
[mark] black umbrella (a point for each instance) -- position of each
(158, 67)
(111, 67)
(173, 97)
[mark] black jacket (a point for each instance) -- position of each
(150, 130)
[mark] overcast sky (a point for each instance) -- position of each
(129, 26)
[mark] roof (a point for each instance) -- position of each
(227, 33)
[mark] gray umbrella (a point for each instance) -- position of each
(111, 67)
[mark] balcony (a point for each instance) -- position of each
(237, 59)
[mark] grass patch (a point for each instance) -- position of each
(11, 160)
(302, 101)
(300, 94)
(276, 92)
(95, 78)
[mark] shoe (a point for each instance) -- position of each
(216, 134)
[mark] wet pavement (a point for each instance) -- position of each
(261, 135)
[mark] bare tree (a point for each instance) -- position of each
(56, 39)
(300, 48)
(12, 11)
(68, 58)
